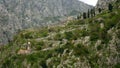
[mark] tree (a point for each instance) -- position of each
(110, 7)
(88, 13)
(117, 1)
(93, 11)
(79, 17)
(99, 9)
(84, 15)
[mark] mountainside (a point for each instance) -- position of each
(104, 3)
(82, 43)
(16, 15)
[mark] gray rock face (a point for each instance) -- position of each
(103, 3)
(16, 15)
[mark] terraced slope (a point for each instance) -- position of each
(88, 43)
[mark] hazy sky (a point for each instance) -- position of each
(90, 2)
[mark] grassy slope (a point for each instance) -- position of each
(78, 43)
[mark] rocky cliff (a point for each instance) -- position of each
(16, 15)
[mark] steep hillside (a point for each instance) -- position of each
(104, 3)
(88, 43)
(16, 15)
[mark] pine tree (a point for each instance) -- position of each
(117, 1)
(84, 15)
(88, 13)
(110, 7)
(99, 9)
(91, 12)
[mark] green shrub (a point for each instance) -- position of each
(76, 22)
(99, 47)
(94, 31)
(37, 45)
(27, 35)
(69, 35)
(81, 50)
(58, 36)
(117, 65)
(59, 50)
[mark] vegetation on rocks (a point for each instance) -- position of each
(88, 43)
